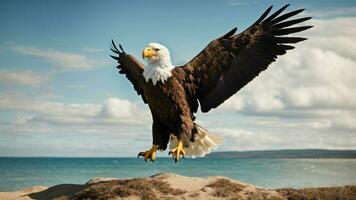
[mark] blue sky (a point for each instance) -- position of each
(60, 93)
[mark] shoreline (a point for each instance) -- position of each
(172, 186)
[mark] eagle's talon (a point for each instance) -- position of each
(177, 152)
(150, 154)
(140, 154)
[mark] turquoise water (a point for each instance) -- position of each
(17, 173)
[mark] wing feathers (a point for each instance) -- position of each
(287, 31)
(263, 16)
(285, 47)
(276, 14)
(129, 66)
(122, 49)
(114, 48)
(227, 64)
(115, 57)
(230, 33)
(289, 39)
(291, 22)
(287, 15)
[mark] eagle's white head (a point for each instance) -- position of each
(159, 63)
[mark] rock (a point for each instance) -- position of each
(99, 179)
(173, 186)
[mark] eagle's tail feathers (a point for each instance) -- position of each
(204, 142)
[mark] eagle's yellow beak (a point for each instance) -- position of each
(148, 52)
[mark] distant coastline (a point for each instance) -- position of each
(287, 154)
(263, 154)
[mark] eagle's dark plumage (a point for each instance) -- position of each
(221, 69)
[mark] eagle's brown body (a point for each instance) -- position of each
(225, 66)
(170, 109)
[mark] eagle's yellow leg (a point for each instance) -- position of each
(177, 152)
(150, 154)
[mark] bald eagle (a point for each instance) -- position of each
(221, 69)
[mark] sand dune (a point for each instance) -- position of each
(172, 186)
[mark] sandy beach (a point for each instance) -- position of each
(172, 186)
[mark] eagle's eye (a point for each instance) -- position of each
(156, 49)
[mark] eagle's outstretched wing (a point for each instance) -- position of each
(228, 63)
(131, 67)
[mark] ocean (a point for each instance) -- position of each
(18, 173)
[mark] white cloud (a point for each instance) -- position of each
(115, 127)
(336, 35)
(237, 2)
(92, 50)
(114, 111)
(59, 58)
(22, 77)
(334, 12)
(239, 139)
